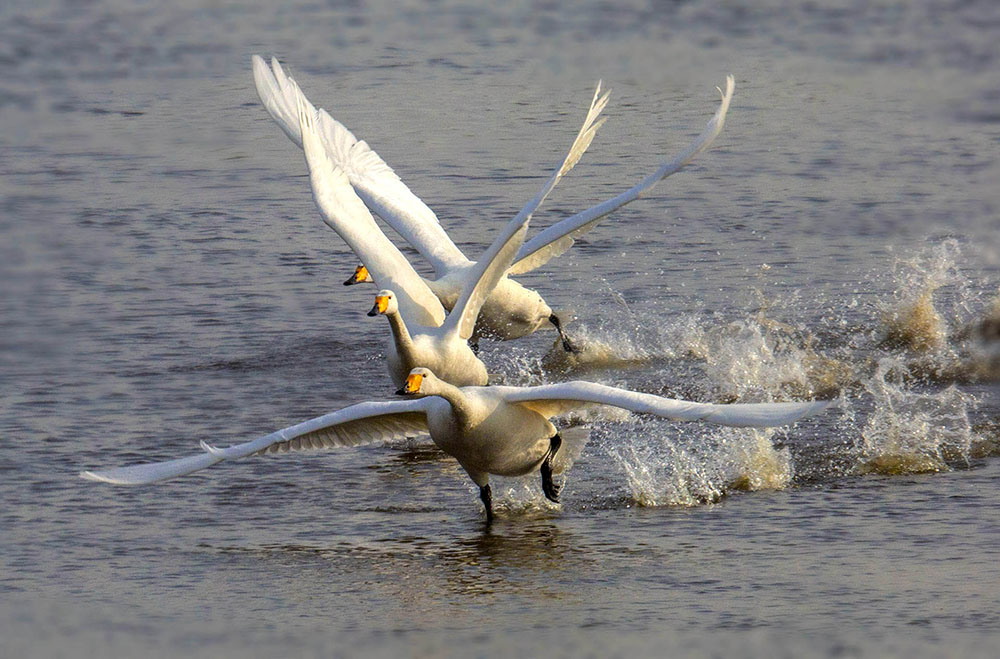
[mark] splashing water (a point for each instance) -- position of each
(911, 321)
(594, 351)
(910, 432)
(749, 361)
(935, 328)
(671, 473)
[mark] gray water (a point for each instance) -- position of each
(166, 279)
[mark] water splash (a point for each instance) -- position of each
(596, 351)
(913, 432)
(910, 320)
(677, 473)
(895, 359)
(979, 345)
(756, 360)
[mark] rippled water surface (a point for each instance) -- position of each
(166, 279)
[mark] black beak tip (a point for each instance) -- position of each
(373, 312)
(402, 392)
(349, 282)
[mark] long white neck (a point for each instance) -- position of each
(400, 335)
(459, 402)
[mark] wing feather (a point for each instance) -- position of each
(346, 214)
(496, 260)
(555, 399)
(559, 237)
(363, 423)
(373, 180)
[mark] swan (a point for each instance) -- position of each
(498, 430)
(511, 310)
(422, 335)
(386, 194)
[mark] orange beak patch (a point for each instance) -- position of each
(381, 304)
(413, 381)
(360, 276)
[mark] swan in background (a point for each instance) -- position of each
(499, 430)
(422, 335)
(511, 310)
(518, 310)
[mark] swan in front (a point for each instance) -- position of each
(496, 430)
(511, 310)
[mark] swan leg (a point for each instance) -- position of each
(566, 343)
(486, 494)
(549, 486)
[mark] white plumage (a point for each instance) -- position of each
(510, 310)
(497, 430)
(489, 430)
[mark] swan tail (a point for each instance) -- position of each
(574, 440)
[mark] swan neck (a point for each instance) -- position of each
(400, 335)
(459, 401)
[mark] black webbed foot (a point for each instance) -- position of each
(549, 487)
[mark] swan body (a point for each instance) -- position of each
(496, 430)
(433, 347)
(511, 310)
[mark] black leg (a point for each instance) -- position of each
(566, 343)
(486, 494)
(549, 487)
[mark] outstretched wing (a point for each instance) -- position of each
(373, 180)
(559, 237)
(554, 399)
(363, 423)
(346, 214)
(495, 261)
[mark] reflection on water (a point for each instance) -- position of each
(522, 556)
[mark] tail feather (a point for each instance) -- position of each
(574, 440)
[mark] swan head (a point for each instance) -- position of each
(360, 276)
(385, 303)
(420, 382)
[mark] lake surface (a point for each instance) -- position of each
(166, 279)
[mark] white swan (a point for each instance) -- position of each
(421, 333)
(490, 430)
(511, 310)
(386, 194)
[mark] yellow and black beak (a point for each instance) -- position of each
(411, 386)
(381, 304)
(360, 275)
